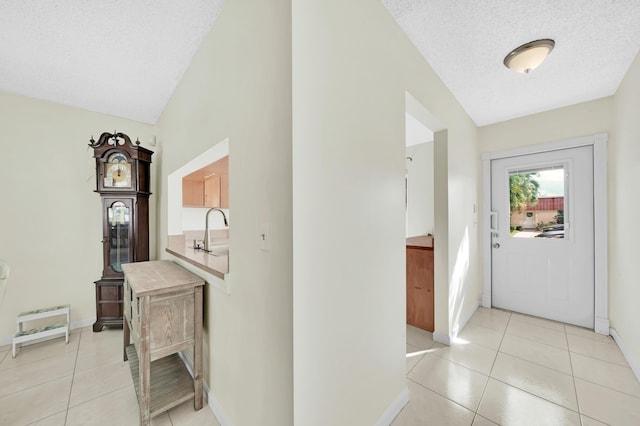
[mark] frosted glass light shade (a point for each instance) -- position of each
(529, 56)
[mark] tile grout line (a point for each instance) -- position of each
(573, 376)
(534, 341)
(536, 396)
(441, 395)
(615, 364)
(73, 377)
(490, 371)
(531, 393)
(609, 388)
(524, 390)
(421, 357)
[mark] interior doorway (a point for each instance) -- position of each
(435, 216)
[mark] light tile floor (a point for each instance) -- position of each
(84, 383)
(505, 368)
(512, 369)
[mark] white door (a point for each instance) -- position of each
(543, 251)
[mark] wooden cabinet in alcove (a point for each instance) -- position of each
(420, 291)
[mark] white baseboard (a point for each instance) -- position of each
(463, 321)
(212, 402)
(627, 355)
(392, 410)
(215, 407)
(446, 339)
(82, 323)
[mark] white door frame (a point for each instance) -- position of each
(599, 143)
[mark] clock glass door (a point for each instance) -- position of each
(119, 220)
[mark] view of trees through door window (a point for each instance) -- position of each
(537, 202)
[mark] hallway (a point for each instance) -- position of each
(505, 368)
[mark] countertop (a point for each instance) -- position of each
(156, 276)
(421, 242)
(215, 265)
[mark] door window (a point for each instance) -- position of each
(537, 202)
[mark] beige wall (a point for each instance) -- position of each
(577, 120)
(348, 203)
(624, 208)
(50, 218)
(238, 86)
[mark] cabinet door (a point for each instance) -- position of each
(212, 191)
(224, 191)
(192, 193)
(420, 288)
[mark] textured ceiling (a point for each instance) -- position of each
(125, 57)
(465, 42)
(119, 57)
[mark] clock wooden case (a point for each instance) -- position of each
(123, 180)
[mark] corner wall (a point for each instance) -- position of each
(238, 86)
(351, 68)
(50, 219)
(624, 205)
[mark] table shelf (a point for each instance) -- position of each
(171, 383)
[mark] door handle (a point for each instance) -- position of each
(496, 245)
(493, 222)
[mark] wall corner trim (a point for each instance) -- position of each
(627, 355)
(601, 326)
(442, 338)
(394, 409)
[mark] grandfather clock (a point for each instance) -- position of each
(123, 182)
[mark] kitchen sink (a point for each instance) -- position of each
(219, 249)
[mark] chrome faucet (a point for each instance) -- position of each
(206, 226)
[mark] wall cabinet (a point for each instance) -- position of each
(210, 192)
(193, 193)
(420, 289)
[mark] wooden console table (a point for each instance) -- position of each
(162, 316)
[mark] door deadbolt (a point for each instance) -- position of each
(496, 245)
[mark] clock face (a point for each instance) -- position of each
(117, 172)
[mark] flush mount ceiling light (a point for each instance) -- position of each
(529, 56)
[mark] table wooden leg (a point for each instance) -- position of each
(127, 340)
(197, 356)
(144, 359)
